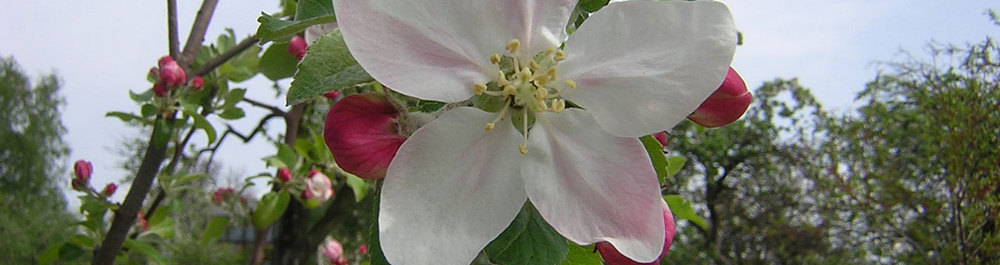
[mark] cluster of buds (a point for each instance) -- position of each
(726, 105)
(221, 194)
(141, 222)
(297, 47)
(169, 75)
(333, 251)
(318, 187)
(611, 256)
(82, 170)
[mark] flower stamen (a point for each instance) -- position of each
(513, 46)
(524, 122)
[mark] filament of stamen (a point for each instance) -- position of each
(489, 126)
(524, 122)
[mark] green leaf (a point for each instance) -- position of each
(162, 133)
(145, 96)
(681, 209)
(270, 208)
(528, 240)
(592, 5)
(674, 165)
(310, 9)
(232, 113)
(146, 250)
(357, 184)
(581, 255)
(148, 110)
(327, 66)
(50, 254)
(125, 117)
(214, 230)
(164, 228)
(655, 151)
(70, 252)
(82, 241)
(201, 123)
(158, 216)
(273, 28)
(234, 96)
(277, 63)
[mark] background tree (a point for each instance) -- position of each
(31, 151)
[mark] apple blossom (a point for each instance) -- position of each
(726, 105)
(332, 249)
(611, 255)
(83, 169)
(171, 73)
(363, 133)
(284, 175)
(318, 187)
(109, 189)
(197, 83)
(562, 129)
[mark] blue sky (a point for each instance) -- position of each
(102, 49)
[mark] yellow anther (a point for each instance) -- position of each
(513, 46)
(540, 105)
(541, 81)
(523, 149)
(489, 126)
(534, 65)
(502, 79)
(558, 105)
(541, 93)
(495, 58)
(550, 51)
(560, 55)
(479, 88)
(553, 73)
(508, 90)
(525, 73)
(571, 83)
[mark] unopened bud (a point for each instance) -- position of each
(297, 47)
(362, 132)
(332, 249)
(363, 249)
(611, 256)
(160, 90)
(726, 105)
(661, 137)
(83, 169)
(284, 175)
(318, 187)
(332, 95)
(171, 73)
(109, 189)
(197, 83)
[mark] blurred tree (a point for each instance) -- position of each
(917, 169)
(31, 151)
(753, 181)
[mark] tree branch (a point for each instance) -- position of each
(125, 216)
(197, 35)
(225, 56)
(172, 40)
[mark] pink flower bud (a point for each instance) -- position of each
(284, 175)
(109, 189)
(83, 169)
(611, 255)
(363, 249)
(160, 90)
(171, 73)
(332, 249)
(297, 47)
(331, 95)
(661, 137)
(221, 194)
(726, 105)
(318, 187)
(78, 184)
(197, 83)
(362, 133)
(141, 221)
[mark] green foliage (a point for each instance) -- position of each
(327, 66)
(276, 63)
(308, 13)
(528, 240)
(270, 208)
(581, 255)
(655, 151)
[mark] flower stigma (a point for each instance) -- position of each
(526, 86)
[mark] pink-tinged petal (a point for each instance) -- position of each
(432, 50)
(452, 188)
(643, 66)
(725, 105)
(592, 186)
(315, 31)
(362, 134)
(537, 24)
(611, 255)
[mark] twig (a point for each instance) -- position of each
(125, 215)
(197, 35)
(259, 104)
(172, 40)
(225, 56)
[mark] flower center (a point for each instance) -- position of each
(526, 86)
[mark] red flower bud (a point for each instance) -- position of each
(726, 105)
(363, 249)
(83, 169)
(221, 194)
(109, 189)
(611, 255)
(362, 134)
(78, 184)
(160, 90)
(171, 73)
(197, 83)
(297, 47)
(318, 187)
(332, 95)
(661, 137)
(284, 175)
(141, 221)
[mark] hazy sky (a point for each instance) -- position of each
(103, 49)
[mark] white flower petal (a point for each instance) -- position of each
(592, 186)
(643, 66)
(431, 50)
(450, 190)
(538, 24)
